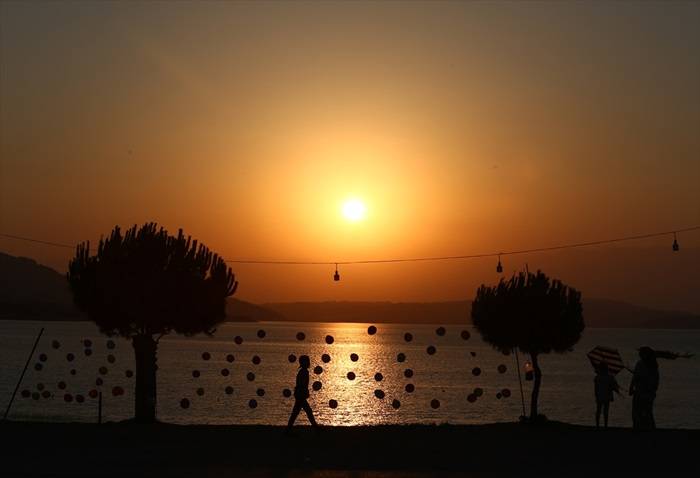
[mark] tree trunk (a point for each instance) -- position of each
(145, 349)
(535, 388)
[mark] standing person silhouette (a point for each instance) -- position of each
(301, 393)
(645, 383)
(605, 387)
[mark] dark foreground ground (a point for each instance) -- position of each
(129, 450)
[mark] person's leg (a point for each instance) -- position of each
(295, 413)
(636, 414)
(606, 409)
(309, 413)
(652, 422)
(597, 413)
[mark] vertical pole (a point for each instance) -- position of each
(19, 382)
(99, 409)
(520, 380)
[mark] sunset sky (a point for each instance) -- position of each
(462, 127)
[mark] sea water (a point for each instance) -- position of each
(443, 381)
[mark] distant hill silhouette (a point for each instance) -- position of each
(597, 313)
(31, 291)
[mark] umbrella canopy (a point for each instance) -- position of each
(606, 355)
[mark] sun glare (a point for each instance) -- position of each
(354, 210)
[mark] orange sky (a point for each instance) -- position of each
(465, 128)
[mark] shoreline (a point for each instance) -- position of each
(116, 449)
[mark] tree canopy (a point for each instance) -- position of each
(146, 282)
(529, 311)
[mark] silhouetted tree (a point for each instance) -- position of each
(533, 313)
(145, 284)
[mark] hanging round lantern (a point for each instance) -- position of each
(318, 370)
(129, 373)
(88, 352)
(250, 376)
(225, 372)
(336, 275)
(396, 404)
(238, 340)
(196, 373)
(371, 330)
(431, 350)
(378, 377)
(441, 331)
(260, 392)
(111, 344)
(228, 390)
(79, 398)
(435, 403)
(329, 339)
(301, 336)
(43, 357)
(332, 403)
(408, 373)
(230, 358)
(93, 393)
(256, 360)
(354, 357)
(317, 386)
(529, 371)
(476, 371)
(286, 393)
(111, 358)
(185, 403)
(70, 357)
(292, 358)
(499, 267)
(502, 368)
(200, 391)
(351, 375)
(401, 357)
(87, 343)
(325, 358)
(379, 394)
(46, 394)
(465, 335)
(261, 334)
(252, 403)
(206, 356)
(62, 385)
(410, 388)
(408, 336)
(55, 344)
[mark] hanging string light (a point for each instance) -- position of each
(676, 247)
(336, 276)
(499, 267)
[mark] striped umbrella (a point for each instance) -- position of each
(606, 355)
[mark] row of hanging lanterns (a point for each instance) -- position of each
(674, 246)
(499, 266)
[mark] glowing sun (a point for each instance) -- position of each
(354, 210)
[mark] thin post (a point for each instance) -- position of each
(19, 382)
(99, 408)
(520, 380)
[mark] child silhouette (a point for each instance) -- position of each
(605, 386)
(301, 393)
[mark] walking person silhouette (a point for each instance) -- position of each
(301, 393)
